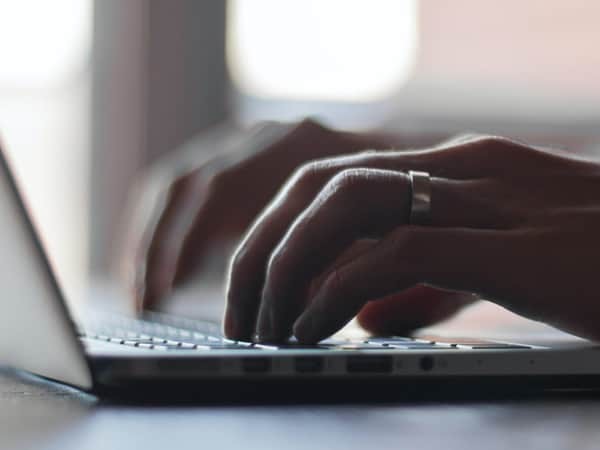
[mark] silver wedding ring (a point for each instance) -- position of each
(420, 204)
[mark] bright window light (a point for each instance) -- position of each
(45, 51)
(42, 42)
(344, 50)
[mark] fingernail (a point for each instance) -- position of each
(264, 332)
(268, 336)
(260, 338)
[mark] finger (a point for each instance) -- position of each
(131, 238)
(211, 220)
(356, 203)
(157, 260)
(399, 313)
(416, 307)
(449, 258)
(192, 211)
(347, 209)
(247, 268)
(356, 249)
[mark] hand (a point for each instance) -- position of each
(187, 204)
(514, 224)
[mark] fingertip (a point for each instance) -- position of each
(146, 302)
(230, 328)
(314, 324)
(270, 325)
(304, 329)
(236, 324)
(151, 294)
(265, 334)
(239, 316)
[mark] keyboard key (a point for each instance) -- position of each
(433, 347)
(138, 340)
(362, 347)
(388, 340)
(160, 347)
(460, 341)
(229, 347)
(413, 345)
(499, 346)
(186, 345)
(147, 346)
(173, 347)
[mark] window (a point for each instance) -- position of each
(44, 120)
(321, 51)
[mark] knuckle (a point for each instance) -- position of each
(497, 148)
(485, 139)
(341, 285)
(466, 137)
(177, 187)
(216, 182)
(308, 176)
(307, 171)
(242, 258)
(462, 139)
(493, 140)
(235, 261)
(275, 260)
(311, 124)
(500, 144)
(334, 285)
(348, 181)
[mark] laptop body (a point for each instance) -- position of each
(161, 356)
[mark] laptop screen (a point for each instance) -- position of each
(36, 332)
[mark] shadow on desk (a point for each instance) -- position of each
(41, 415)
(35, 412)
(22, 385)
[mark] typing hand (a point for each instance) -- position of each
(515, 224)
(186, 204)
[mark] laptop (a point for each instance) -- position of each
(158, 355)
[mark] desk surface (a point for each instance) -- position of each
(46, 416)
(43, 416)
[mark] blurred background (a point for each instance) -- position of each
(91, 92)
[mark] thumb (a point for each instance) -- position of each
(411, 309)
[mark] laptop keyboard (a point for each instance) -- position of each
(160, 332)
